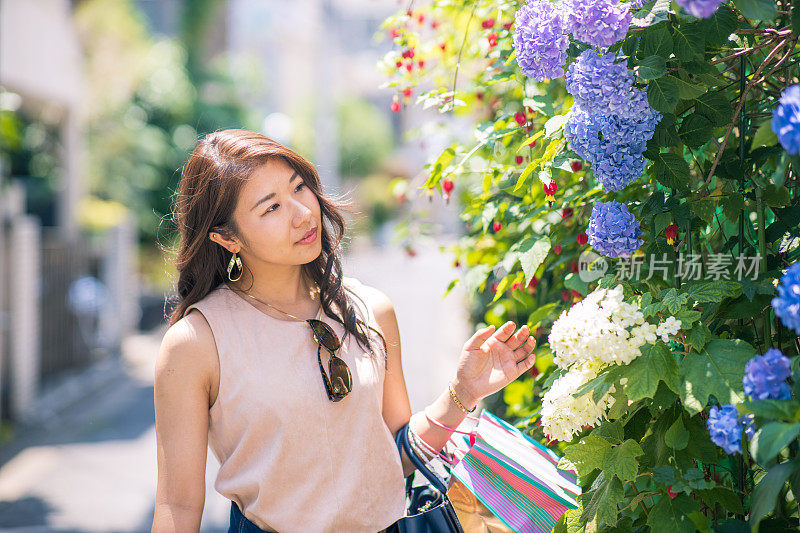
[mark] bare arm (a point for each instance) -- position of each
(396, 405)
(181, 399)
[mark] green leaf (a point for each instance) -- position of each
(715, 107)
(671, 170)
(717, 371)
(655, 364)
(713, 291)
(688, 91)
(532, 252)
(687, 317)
(698, 337)
(676, 436)
(656, 41)
(540, 313)
(770, 439)
(620, 460)
(719, 26)
(554, 124)
(795, 18)
(651, 13)
(705, 209)
(689, 41)
(732, 204)
(603, 498)
(757, 9)
(777, 196)
(723, 496)
(774, 409)
(475, 277)
(651, 67)
(663, 94)
(613, 432)
(767, 490)
(670, 515)
(695, 130)
(674, 301)
(589, 453)
(764, 135)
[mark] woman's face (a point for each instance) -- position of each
(274, 211)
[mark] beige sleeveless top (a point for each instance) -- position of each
(293, 460)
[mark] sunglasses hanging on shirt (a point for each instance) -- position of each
(340, 382)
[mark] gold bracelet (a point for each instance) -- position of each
(455, 399)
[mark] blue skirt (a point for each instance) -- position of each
(240, 523)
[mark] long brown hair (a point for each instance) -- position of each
(205, 200)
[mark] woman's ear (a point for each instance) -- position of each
(224, 239)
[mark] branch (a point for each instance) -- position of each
(750, 84)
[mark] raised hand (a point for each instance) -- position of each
(492, 359)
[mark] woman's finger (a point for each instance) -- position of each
(478, 338)
(519, 338)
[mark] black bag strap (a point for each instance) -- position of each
(403, 443)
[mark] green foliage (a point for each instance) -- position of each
(714, 169)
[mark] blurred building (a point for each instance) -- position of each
(41, 336)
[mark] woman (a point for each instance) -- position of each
(305, 444)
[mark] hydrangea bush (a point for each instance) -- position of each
(611, 151)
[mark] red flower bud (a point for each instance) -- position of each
(582, 238)
(497, 226)
(566, 212)
(395, 107)
(448, 185)
(557, 249)
(576, 166)
(520, 118)
(518, 159)
(488, 23)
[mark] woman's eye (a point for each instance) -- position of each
(275, 205)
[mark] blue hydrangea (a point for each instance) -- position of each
(786, 120)
(597, 22)
(613, 230)
(765, 376)
(637, 4)
(539, 41)
(787, 303)
(612, 144)
(725, 427)
(700, 8)
(600, 83)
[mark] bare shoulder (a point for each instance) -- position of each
(188, 351)
(381, 306)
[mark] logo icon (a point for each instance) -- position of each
(591, 266)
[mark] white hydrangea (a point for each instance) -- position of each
(669, 327)
(562, 415)
(596, 332)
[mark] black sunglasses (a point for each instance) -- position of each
(341, 381)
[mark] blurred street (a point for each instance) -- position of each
(93, 468)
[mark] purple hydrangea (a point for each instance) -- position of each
(765, 376)
(787, 303)
(613, 230)
(599, 83)
(725, 427)
(539, 41)
(597, 22)
(786, 120)
(700, 8)
(637, 4)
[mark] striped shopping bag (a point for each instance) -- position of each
(506, 481)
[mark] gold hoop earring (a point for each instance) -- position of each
(235, 261)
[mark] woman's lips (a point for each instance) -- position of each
(311, 238)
